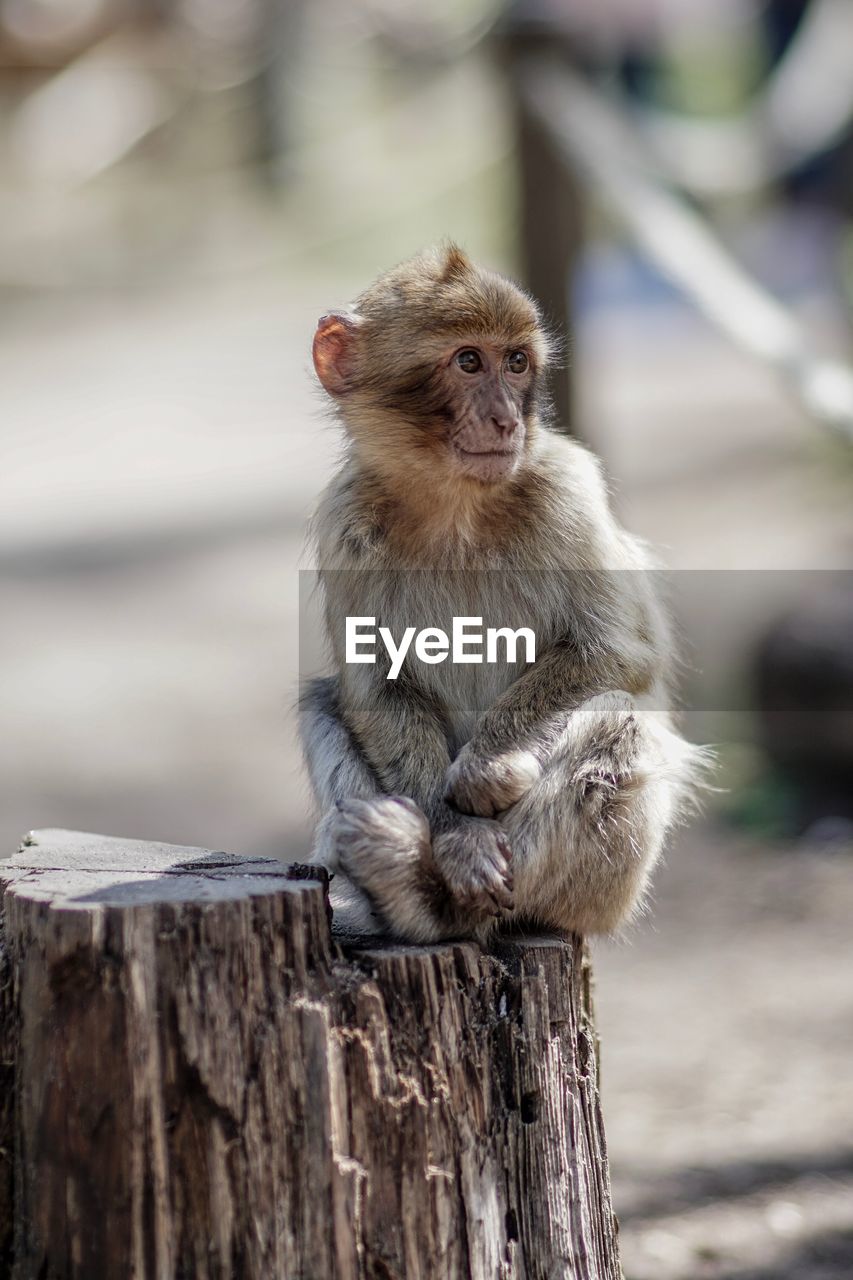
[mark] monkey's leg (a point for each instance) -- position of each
(339, 773)
(384, 847)
(587, 833)
(584, 836)
(380, 846)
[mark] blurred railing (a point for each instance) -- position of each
(573, 138)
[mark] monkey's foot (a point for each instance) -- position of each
(610, 769)
(382, 845)
(474, 861)
(486, 785)
(369, 833)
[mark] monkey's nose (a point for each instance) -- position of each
(505, 426)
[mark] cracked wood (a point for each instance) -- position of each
(197, 1079)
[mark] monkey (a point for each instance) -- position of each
(460, 799)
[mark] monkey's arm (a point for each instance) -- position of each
(386, 741)
(402, 736)
(516, 738)
(608, 633)
(337, 769)
(379, 785)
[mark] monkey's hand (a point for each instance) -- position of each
(473, 859)
(486, 785)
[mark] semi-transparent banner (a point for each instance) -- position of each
(741, 640)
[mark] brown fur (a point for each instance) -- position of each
(564, 775)
(399, 404)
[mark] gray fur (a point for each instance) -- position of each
(457, 797)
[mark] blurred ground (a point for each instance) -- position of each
(726, 1021)
(162, 447)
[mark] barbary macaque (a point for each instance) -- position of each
(459, 797)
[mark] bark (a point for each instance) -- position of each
(207, 1083)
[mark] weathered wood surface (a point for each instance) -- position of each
(207, 1084)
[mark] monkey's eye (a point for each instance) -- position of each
(469, 361)
(517, 362)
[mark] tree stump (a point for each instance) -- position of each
(199, 1079)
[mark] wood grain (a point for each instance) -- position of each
(206, 1083)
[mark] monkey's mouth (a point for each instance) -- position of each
(486, 453)
(487, 464)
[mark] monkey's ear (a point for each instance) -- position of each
(334, 351)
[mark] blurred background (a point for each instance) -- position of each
(185, 185)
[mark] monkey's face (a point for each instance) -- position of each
(436, 371)
(488, 387)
